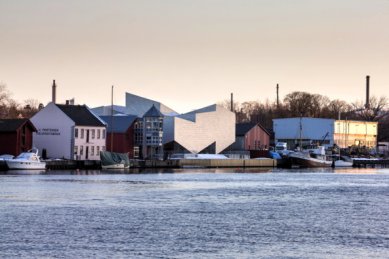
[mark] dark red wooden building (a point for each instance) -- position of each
(120, 129)
(15, 136)
(251, 136)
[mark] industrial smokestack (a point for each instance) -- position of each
(367, 105)
(232, 102)
(54, 92)
(278, 100)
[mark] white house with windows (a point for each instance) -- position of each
(69, 132)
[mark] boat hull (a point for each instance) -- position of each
(25, 165)
(341, 163)
(114, 166)
(308, 162)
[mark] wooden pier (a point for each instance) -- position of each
(371, 163)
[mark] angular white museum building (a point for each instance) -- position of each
(207, 130)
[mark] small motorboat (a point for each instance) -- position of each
(27, 161)
(113, 160)
(342, 161)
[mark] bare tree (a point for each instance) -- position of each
(4, 100)
(30, 107)
(375, 112)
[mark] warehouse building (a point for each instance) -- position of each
(326, 132)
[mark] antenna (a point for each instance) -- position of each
(232, 102)
(112, 119)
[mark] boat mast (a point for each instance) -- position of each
(301, 129)
(112, 119)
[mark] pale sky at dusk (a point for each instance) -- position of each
(189, 54)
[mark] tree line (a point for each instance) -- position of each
(295, 104)
(11, 109)
(304, 104)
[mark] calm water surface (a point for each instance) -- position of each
(196, 214)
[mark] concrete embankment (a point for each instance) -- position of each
(209, 163)
(179, 163)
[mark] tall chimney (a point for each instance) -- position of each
(278, 100)
(54, 92)
(367, 105)
(232, 102)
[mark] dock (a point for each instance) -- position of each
(176, 163)
(364, 163)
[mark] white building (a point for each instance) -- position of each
(208, 130)
(326, 132)
(69, 131)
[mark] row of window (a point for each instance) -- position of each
(88, 150)
(84, 133)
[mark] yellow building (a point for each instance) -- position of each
(359, 133)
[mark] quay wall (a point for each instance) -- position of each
(227, 163)
(179, 163)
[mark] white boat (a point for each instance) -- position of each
(342, 161)
(115, 166)
(6, 157)
(27, 161)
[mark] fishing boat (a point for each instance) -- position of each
(27, 161)
(312, 157)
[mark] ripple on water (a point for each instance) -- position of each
(196, 215)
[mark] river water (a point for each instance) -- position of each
(196, 214)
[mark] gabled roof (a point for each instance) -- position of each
(11, 125)
(242, 128)
(81, 115)
(120, 124)
(153, 112)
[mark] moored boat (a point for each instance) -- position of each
(27, 161)
(113, 160)
(310, 158)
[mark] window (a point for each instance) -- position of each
(103, 148)
(97, 150)
(76, 150)
(81, 150)
(92, 150)
(76, 133)
(136, 152)
(93, 134)
(82, 133)
(98, 134)
(103, 134)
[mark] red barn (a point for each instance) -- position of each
(251, 136)
(120, 129)
(15, 136)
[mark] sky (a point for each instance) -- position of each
(193, 53)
